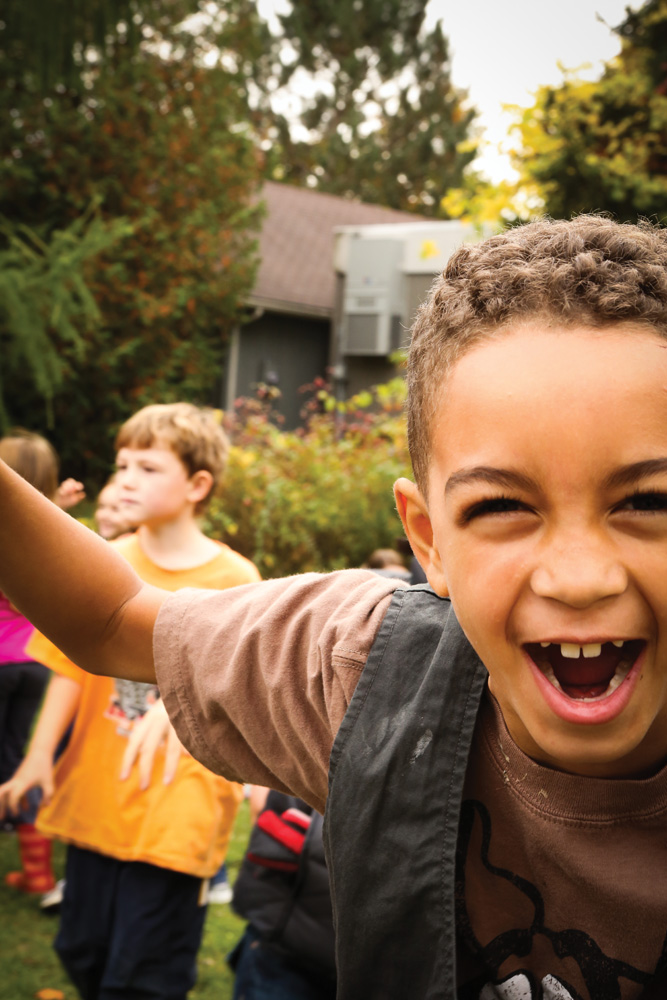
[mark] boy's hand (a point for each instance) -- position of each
(69, 493)
(36, 771)
(146, 736)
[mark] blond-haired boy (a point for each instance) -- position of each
(491, 750)
(138, 854)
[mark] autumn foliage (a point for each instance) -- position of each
(318, 498)
(590, 146)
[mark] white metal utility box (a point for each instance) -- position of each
(386, 272)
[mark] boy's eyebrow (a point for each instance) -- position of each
(504, 478)
(509, 479)
(629, 474)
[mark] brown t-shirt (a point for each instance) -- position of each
(562, 880)
(257, 687)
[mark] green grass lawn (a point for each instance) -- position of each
(28, 962)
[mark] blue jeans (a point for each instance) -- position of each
(221, 875)
(264, 973)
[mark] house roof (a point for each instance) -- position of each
(296, 246)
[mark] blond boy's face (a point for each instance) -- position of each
(547, 525)
(155, 487)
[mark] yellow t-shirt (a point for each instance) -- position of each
(184, 826)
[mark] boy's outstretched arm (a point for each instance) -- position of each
(72, 585)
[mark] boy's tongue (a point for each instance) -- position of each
(585, 678)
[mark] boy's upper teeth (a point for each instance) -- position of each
(572, 650)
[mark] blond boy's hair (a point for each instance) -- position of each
(193, 433)
(33, 457)
(590, 271)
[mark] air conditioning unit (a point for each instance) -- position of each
(372, 320)
(387, 270)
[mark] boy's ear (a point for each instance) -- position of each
(201, 484)
(417, 525)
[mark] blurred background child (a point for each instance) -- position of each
(22, 680)
(109, 518)
(287, 951)
(387, 562)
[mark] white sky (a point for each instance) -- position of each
(503, 50)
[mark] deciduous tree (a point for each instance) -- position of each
(373, 111)
(603, 145)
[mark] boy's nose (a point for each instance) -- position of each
(579, 573)
(125, 482)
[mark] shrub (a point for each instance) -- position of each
(318, 498)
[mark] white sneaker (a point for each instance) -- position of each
(222, 892)
(52, 900)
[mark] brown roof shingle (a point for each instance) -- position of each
(296, 245)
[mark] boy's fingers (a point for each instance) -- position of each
(152, 741)
(15, 797)
(145, 738)
(173, 754)
(13, 794)
(131, 750)
(7, 800)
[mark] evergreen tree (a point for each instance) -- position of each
(45, 303)
(150, 135)
(383, 121)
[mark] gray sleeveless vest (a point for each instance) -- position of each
(395, 786)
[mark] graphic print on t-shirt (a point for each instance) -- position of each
(512, 938)
(131, 700)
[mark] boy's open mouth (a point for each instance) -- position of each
(585, 673)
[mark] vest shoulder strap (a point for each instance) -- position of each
(395, 784)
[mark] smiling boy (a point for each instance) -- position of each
(552, 534)
(491, 750)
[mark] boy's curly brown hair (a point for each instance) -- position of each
(590, 271)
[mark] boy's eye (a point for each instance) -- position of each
(648, 502)
(493, 505)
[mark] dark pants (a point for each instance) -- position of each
(128, 929)
(263, 973)
(22, 687)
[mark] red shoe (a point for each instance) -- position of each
(36, 875)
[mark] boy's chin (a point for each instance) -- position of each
(630, 743)
(615, 751)
(133, 518)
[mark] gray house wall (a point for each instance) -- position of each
(283, 350)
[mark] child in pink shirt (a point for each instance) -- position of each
(22, 681)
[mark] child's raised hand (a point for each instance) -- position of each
(69, 493)
(36, 771)
(147, 735)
